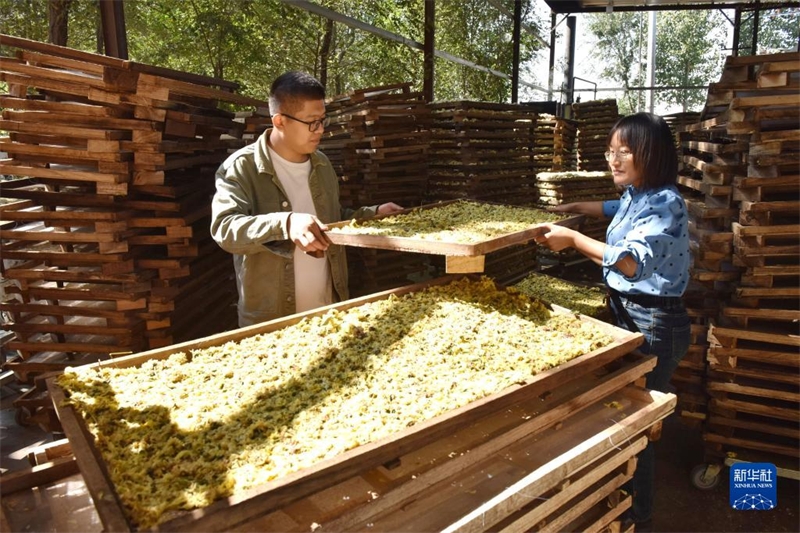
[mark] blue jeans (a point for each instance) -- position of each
(667, 334)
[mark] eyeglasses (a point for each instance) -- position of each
(313, 125)
(619, 156)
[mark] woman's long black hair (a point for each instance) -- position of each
(650, 141)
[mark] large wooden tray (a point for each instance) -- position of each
(223, 514)
(406, 244)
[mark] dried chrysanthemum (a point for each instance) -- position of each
(182, 432)
(589, 301)
(463, 222)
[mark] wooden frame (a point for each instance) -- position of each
(407, 244)
(220, 515)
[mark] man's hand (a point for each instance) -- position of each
(307, 233)
(388, 208)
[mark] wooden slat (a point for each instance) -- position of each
(564, 408)
(58, 130)
(58, 174)
(148, 81)
(550, 474)
(102, 122)
(73, 108)
(37, 475)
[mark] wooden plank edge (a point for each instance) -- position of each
(38, 475)
(105, 498)
(602, 443)
(395, 499)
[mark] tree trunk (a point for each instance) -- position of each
(59, 12)
(325, 52)
(98, 29)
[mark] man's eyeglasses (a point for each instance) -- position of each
(313, 125)
(619, 156)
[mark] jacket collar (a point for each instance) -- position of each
(264, 163)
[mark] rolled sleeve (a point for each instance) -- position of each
(652, 227)
(655, 233)
(610, 208)
(612, 254)
(362, 212)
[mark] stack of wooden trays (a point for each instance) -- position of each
(689, 379)
(554, 144)
(482, 151)
(373, 270)
(750, 176)
(677, 121)
(506, 266)
(255, 123)
(511, 264)
(378, 144)
(595, 120)
(556, 188)
(110, 228)
(550, 454)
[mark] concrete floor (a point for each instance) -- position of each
(680, 507)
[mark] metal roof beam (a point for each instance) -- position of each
(599, 6)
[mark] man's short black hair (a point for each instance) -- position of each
(650, 140)
(292, 88)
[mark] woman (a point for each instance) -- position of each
(645, 258)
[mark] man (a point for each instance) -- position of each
(272, 201)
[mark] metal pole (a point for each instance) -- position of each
(428, 58)
(737, 28)
(651, 60)
(570, 58)
(756, 16)
(552, 64)
(515, 59)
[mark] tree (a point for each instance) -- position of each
(477, 31)
(688, 53)
(621, 49)
(778, 31)
(77, 21)
(252, 42)
(25, 18)
(207, 37)
(58, 15)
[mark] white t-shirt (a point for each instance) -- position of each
(312, 277)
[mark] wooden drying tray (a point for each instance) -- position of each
(226, 514)
(461, 258)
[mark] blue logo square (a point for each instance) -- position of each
(754, 486)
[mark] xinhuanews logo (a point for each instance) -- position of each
(754, 486)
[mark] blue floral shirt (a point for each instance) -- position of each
(651, 226)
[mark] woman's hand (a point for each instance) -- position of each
(563, 208)
(555, 237)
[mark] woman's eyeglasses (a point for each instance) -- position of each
(313, 125)
(619, 156)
